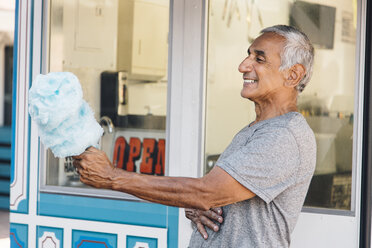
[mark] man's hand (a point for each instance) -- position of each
(204, 218)
(95, 168)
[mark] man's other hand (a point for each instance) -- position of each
(95, 168)
(205, 218)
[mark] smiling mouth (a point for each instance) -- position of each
(249, 81)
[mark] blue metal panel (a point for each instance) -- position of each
(5, 153)
(84, 239)
(5, 170)
(58, 232)
(4, 201)
(18, 235)
(115, 211)
(97, 209)
(4, 186)
(5, 135)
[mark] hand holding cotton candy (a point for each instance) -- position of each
(65, 121)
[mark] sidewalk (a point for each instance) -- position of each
(4, 229)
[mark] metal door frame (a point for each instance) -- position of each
(366, 184)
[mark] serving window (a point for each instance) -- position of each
(118, 50)
(327, 102)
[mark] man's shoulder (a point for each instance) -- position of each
(292, 124)
(299, 127)
(303, 135)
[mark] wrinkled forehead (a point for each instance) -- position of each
(269, 42)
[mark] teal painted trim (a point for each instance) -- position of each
(173, 217)
(22, 207)
(107, 210)
(38, 174)
(4, 186)
(14, 95)
(18, 235)
(58, 232)
(4, 202)
(41, 66)
(85, 239)
(25, 207)
(5, 135)
(5, 170)
(5, 153)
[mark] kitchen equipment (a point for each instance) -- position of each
(114, 95)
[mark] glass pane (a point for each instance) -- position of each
(327, 102)
(118, 50)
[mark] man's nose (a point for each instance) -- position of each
(245, 65)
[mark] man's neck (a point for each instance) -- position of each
(279, 105)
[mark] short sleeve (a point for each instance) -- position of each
(266, 164)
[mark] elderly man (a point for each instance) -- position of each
(262, 177)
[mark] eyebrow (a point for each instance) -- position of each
(258, 52)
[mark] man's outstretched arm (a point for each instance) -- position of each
(215, 189)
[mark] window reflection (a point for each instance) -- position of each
(327, 102)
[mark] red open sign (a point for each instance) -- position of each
(150, 152)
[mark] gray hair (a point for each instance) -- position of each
(297, 50)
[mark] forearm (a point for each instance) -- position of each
(173, 191)
(215, 189)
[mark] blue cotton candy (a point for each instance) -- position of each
(66, 122)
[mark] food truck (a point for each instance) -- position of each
(162, 79)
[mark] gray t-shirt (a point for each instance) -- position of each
(275, 159)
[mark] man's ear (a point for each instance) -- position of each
(294, 75)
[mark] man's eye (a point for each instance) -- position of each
(260, 60)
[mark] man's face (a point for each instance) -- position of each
(261, 75)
